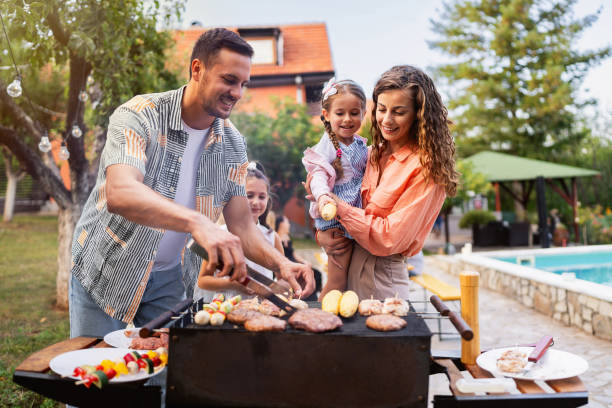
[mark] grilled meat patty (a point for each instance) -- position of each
(265, 323)
(315, 320)
(385, 322)
(241, 315)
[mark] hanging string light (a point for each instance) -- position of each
(44, 145)
(76, 131)
(15, 90)
(64, 154)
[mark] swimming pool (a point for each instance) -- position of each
(594, 266)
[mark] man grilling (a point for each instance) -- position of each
(171, 164)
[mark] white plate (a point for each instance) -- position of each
(118, 338)
(554, 365)
(65, 363)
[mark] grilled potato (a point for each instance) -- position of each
(331, 301)
(348, 304)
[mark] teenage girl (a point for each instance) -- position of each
(337, 164)
(258, 194)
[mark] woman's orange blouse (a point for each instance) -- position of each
(397, 214)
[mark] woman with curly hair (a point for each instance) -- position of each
(410, 171)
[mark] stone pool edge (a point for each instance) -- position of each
(574, 302)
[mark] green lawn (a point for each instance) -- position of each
(28, 319)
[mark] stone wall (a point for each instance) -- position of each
(591, 314)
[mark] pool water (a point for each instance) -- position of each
(594, 267)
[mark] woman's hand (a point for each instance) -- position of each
(306, 185)
(333, 241)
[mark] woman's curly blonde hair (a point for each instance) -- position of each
(430, 131)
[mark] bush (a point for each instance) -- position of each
(476, 217)
(596, 225)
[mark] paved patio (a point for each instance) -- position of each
(504, 321)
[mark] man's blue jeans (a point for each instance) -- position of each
(164, 290)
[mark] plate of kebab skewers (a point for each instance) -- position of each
(100, 366)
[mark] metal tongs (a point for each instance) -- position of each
(256, 281)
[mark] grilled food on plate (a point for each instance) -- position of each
(512, 361)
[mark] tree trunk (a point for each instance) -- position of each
(9, 197)
(67, 220)
(11, 186)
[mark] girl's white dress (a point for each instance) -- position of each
(207, 295)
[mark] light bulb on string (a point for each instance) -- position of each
(64, 154)
(90, 80)
(44, 145)
(76, 131)
(14, 89)
(83, 96)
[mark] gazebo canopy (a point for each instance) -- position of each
(502, 167)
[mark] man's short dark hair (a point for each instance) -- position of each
(212, 41)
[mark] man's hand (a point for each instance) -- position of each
(300, 278)
(223, 247)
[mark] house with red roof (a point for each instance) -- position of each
(291, 60)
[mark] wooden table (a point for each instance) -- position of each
(569, 392)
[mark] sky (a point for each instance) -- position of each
(368, 37)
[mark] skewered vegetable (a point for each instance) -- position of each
(202, 317)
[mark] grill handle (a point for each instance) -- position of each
(164, 318)
(464, 330)
(439, 305)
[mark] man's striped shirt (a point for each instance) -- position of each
(112, 257)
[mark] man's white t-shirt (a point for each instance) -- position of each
(172, 243)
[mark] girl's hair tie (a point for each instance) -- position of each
(339, 153)
(329, 89)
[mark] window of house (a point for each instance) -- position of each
(267, 43)
(264, 50)
(313, 98)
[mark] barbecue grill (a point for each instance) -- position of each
(352, 366)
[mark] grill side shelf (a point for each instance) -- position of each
(34, 374)
(570, 392)
(39, 362)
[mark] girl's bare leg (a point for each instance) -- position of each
(337, 270)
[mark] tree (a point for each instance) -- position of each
(516, 75)
(117, 45)
(471, 183)
(278, 142)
